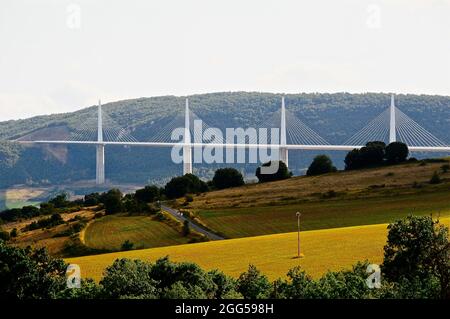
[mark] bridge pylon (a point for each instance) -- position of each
(392, 119)
(100, 167)
(284, 154)
(187, 148)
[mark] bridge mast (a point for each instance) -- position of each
(392, 128)
(187, 148)
(284, 155)
(100, 169)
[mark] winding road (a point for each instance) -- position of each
(177, 215)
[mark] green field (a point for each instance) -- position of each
(110, 232)
(254, 221)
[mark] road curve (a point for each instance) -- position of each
(176, 214)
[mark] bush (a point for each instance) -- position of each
(226, 178)
(280, 174)
(435, 179)
(186, 229)
(321, 164)
(127, 245)
(445, 168)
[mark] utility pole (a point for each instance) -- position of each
(299, 254)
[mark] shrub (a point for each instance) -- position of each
(127, 245)
(445, 168)
(435, 179)
(186, 229)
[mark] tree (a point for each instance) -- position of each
(148, 194)
(29, 274)
(352, 160)
(113, 201)
(13, 233)
(127, 278)
(253, 285)
(186, 229)
(418, 253)
(435, 179)
(226, 178)
(281, 173)
(321, 164)
(60, 201)
(127, 245)
(396, 152)
(180, 186)
(372, 154)
(92, 199)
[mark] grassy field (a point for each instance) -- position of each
(242, 222)
(327, 249)
(363, 197)
(110, 232)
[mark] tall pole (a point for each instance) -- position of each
(284, 155)
(298, 234)
(392, 126)
(187, 148)
(100, 165)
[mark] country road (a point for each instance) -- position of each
(176, 214)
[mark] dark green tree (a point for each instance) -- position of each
(29, 274)
(180, 186)
(253, 285)
(227, 177)
(113, 201)
(129, 278)
(396, 152)
(418, 251)
(148, 194)
(321, 164)
(186, 229)
(281, 173)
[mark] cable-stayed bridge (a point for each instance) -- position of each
(293, 134)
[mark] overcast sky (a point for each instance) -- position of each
(59, 56)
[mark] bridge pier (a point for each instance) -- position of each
(100, 169)
(284, 153)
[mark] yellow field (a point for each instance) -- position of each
(328, 249)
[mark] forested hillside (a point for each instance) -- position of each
(335, 117)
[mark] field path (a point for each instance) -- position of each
(176, 214)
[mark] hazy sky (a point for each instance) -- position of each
(58, 56)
